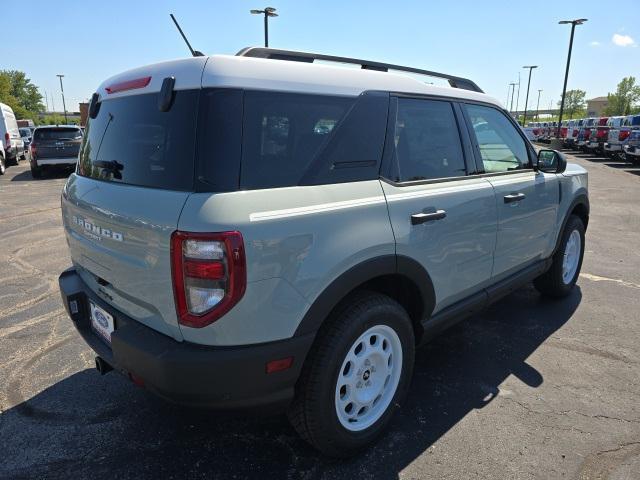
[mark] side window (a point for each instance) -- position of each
(282, 133)
(502, 148)
(427, 141)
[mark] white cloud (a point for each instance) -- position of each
(622, 40)
(594, 43)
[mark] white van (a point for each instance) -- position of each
(10, 135)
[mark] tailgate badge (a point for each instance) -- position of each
(97, 232)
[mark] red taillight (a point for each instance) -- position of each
(575, 132)
(623, 135)
(128, 85)
(209, 275)
(601, 133)
(587, 134)
(563, 132)
(7, 141)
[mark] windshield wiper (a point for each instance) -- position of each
(112, 166)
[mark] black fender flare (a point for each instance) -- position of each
(367, 270)
(581, 199)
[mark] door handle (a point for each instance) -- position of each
(514, 197)
(418, 218)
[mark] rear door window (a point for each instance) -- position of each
(427, 141)
(131, 141)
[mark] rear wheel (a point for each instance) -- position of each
(36, 172)
(559, 280)
(357, 373)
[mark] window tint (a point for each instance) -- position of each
(131, 141)
(502, 148)
(282, 132)
(44, 134)
(427, 141)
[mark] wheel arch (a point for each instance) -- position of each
(402, 278)
(579, 207)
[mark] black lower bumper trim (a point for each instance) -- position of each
(186, 373)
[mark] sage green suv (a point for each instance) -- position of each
(261, 230)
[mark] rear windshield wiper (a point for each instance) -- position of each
(111, 166)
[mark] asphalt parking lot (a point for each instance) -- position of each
(529, 389)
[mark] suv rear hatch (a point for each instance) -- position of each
(134, 174)
(56, 142)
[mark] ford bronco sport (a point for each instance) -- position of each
(259, 230)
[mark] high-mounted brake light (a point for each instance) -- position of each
(128, 85)
(209, 275)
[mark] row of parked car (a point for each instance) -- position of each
(609, 136)
(46, 147)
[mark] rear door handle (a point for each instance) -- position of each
(514, 197)
(418, 218)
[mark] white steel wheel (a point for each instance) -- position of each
(368, 378)
(571, 257)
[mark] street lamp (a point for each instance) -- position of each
(64, 106)
(573, 23)
(526, 102)
(513, 89)
(267, 12)
(538, 105)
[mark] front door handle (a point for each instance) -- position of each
(514, 197)
(418, 218)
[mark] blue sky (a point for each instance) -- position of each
(486, 41)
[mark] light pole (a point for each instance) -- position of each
(538, 105)
(573, 23)
(64, 106)
(513, 89)
(518, 98)
(526, 102)
(267, 12)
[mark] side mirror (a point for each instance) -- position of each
(551, 161)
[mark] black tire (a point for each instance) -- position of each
(552, 283)
(36, 172)
(313, 410)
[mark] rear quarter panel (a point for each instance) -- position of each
(297, 241)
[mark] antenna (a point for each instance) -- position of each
(195, 53)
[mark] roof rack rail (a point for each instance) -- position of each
(291, 55)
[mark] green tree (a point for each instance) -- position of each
(17, 91)
(574, 104)
(626, 98)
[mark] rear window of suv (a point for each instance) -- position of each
(56, 134)
(131, 141)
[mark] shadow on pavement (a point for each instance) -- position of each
(46, 175)
(87, 426)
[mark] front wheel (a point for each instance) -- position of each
(356, 375)
(559, 280)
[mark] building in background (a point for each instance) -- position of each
(596, 106)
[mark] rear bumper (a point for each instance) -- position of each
(186, 373)
(39, 162)
(632, 150)
(612, 147)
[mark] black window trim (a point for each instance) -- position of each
(480, 172)
(388, 150)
